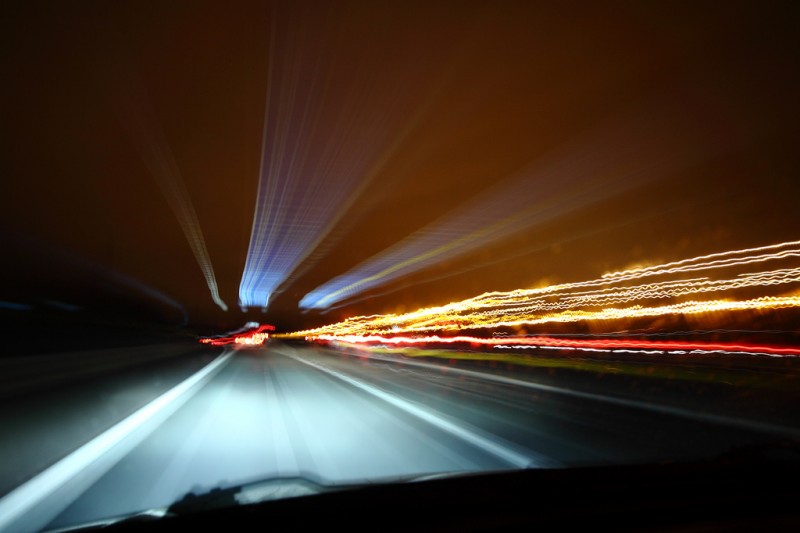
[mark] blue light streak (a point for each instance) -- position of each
(625, 152)
(317, 156)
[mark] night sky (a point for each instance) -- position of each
(623, 132)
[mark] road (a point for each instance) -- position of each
(293, 410)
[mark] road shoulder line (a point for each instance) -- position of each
(33, 504)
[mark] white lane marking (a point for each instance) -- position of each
(491, 446)
(21, 500)
(724, 420)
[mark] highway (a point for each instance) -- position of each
(287, 410)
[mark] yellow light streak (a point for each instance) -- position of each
(610, 297)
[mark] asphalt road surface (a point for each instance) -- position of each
(337, 418)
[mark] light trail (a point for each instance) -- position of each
(703, 259)
(317, 157)
(251, 336)
(428, 320)
(140, 121)
(610, 159)
(610, 345)
(605, 298)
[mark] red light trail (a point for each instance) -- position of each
(566, 343)
(253, 337)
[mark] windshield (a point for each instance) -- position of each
(262, 250)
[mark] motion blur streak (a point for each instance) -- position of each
(256, 335)
(316, 157)
(703, 259)
(563, 303)
(696, 351)
(622, 154)
(487, 443)
(142, 125)
(58, 484)
(549, 342)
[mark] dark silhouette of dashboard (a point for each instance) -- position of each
(745, 490)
